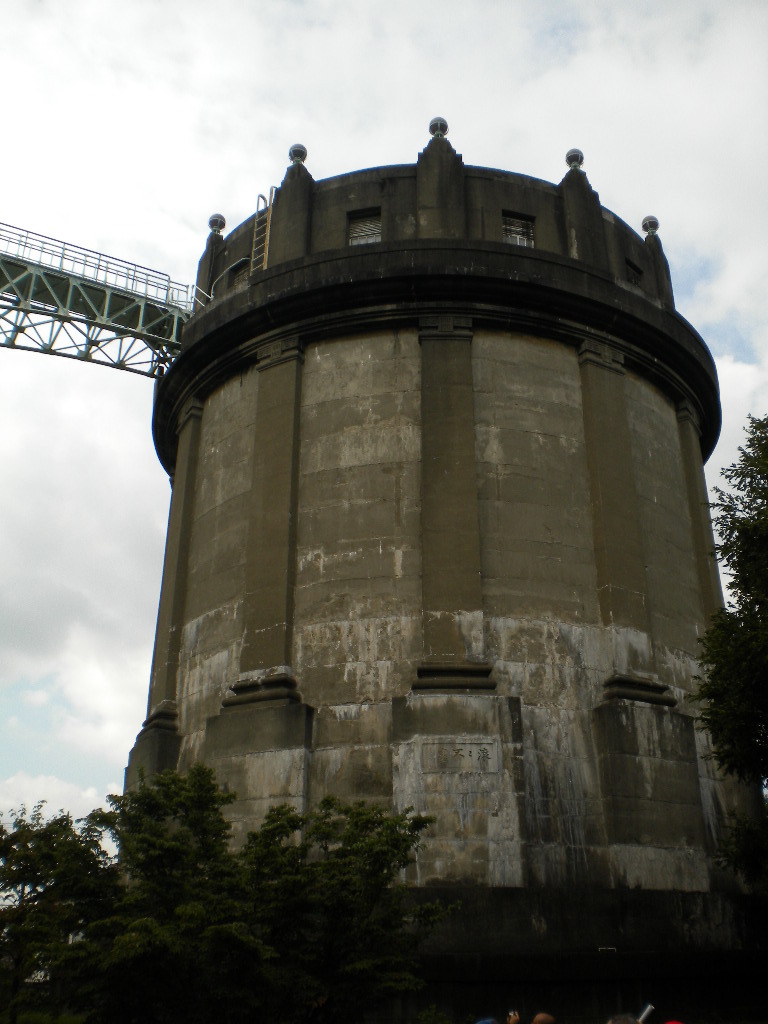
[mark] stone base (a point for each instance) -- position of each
(584, 955)
(156, 750)
(256, 727)
(263, 686)
(260, 750)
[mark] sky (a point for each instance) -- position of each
(128, 124)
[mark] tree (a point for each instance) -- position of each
(177, 944)
(734, 688)
(305, 922)
(324, 888)
(55, 878)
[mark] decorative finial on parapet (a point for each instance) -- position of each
(217, 223)
(297, 153)
(650, 225)
(574, 158)
(438, 127)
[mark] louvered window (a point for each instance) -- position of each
(365, 228)
(516, 230)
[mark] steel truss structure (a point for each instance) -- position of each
(68, 301)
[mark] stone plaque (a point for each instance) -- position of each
(481, 757)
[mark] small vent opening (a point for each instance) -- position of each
(516, 230)
(634, 273)
(365, 228)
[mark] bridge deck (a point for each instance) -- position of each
(66, 300)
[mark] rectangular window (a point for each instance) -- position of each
(516, 230)
(634, 273)
(364, 228)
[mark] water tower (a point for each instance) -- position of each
(439, 537)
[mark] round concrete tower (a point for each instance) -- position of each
(439, 537)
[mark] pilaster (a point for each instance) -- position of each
(292, 216)
(265, 669)
(440, 200)
(170, 618)
(584, 225)
(621, 580)
(698, 504)
(452, 599)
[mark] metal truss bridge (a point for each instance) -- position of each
(68, 301)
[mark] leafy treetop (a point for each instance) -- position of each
(307, 922)
(735, 648)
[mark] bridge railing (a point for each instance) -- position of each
(93, 266)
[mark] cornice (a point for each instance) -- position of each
(338, 293)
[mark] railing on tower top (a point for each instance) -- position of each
(94, 266)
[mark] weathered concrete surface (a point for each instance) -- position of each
(439, 539)
(457, 758)
(576, 786)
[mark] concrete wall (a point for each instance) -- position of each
(212, 630)
(439, 538)
(552, 775)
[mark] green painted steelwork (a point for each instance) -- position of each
(64, 300)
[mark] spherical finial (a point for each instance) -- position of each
(217, 223)
(297, 153)
(438, 127)
(650, 225)
(574, 158)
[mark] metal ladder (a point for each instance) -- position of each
(260, 247)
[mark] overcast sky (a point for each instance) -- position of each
(127, 124)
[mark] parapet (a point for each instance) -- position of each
(438, 199)
(439, 234)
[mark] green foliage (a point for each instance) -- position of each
(746, 848)
(306, 922)
(742, 520)
(735, 648)
(176, 945)
(432, 1015)
(734, 689)
(323, 886)
(55, 879)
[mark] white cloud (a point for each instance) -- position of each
(24, 789)
(36, 698)
(743, 391)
